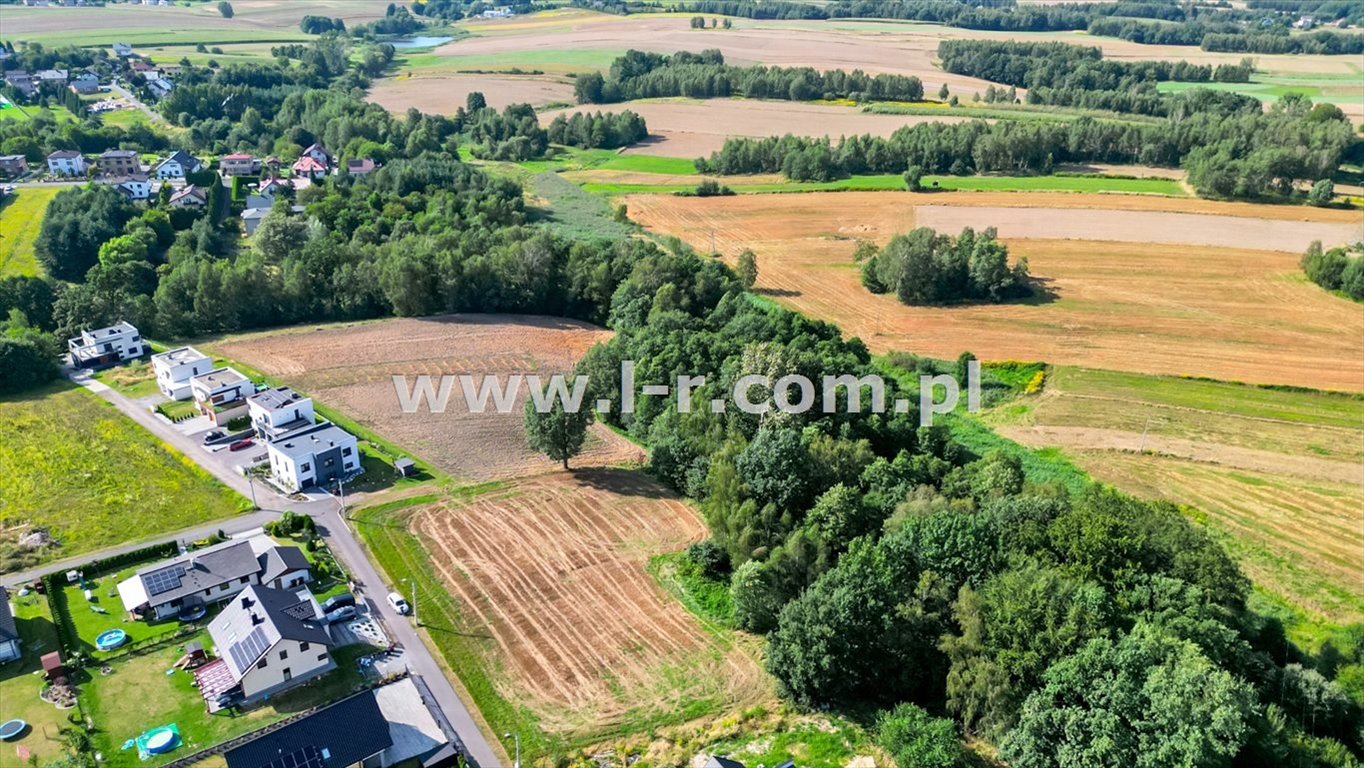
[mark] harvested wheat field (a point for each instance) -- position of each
(697, 128)
(553, 569)
(1234, 312)
(351, 367)
(443, 94)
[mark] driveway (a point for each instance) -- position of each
(333, 528)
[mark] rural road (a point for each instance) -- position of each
(339, 537)
(136, 102)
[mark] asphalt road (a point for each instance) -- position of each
(333, 528)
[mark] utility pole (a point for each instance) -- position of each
(517, 738)
(341, 492)
(413, 584)
(251, 483)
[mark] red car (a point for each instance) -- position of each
(240, 445)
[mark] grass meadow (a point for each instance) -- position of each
(20, 218)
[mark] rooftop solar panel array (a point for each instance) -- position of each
(164, 580)
(307, 757)
(245, 652)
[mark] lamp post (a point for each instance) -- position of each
(251, 483)
(517, 738)
(412, 583)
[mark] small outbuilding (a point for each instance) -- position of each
(405, 466)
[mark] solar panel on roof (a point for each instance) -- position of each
(245, 652)
(163, 581)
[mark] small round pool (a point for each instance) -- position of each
(110, 639)
(160, 740)
(11, 729)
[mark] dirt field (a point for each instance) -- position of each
(554, 569)
(351, 367)
(443, 94)
(696, 128)
(1230, 313)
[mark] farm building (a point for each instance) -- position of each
(211, 575)
(66, 162)
(268, 640)
(9, 632)
(106, 346)
(174, 368)
(317, 455)
(221, 394)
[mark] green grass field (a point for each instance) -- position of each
(550, 60)
(887, 182)
(20, 219)
(19, 686)
(74, 465)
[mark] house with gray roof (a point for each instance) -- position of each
(9, 631)
(211, 575)
(267, 640)
(317, 455)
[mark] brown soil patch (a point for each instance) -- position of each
(351, 367)
(695, 128)
(1228, 313)
(443, 94)
(554, 569)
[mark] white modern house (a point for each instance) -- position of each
(267, 640)
(106, 346)
(211, 575)
(276, 412)
(66, 162)
(317, 455)
(174, 368)
(177, 164)
(221, 394)
(134, 187)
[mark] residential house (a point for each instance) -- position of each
(239, 164)
(268, 640)
(500, 12)
(273, 165)
(66, 162)
(275, 412)
(308, 167)
(320, 154)
(85, 83)
(160, 87)
(22, 81)
(145, 68)
(123, 50)
(51, 76)
(317, 455)
(252, 217)
(221, 394)
(9, 632)
(12, 166)
(360, 166)
(119, 162)
(174, 368)
(189, 196)
(133, 187)
(258, 200)
(177, 165)
(273, 188)
(211, 575)
(106, 346)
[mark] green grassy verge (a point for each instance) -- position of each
(709, 599)
(72, 464)
(20, 219)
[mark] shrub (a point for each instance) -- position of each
(917, 739)
(712, 559)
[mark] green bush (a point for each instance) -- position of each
(916, 739)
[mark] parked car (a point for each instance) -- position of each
(213, 436)
(241, 445)
(399, 604)
(344, 613)
(338, 601)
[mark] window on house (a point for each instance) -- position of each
(288, 674)
(246, 579)
(223, 587)
(264, 662)
(345, 451)
(303, 646)
(305, 467)
(283, 654)
(322, 656)
(329, 462)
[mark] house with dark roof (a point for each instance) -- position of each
(279, 410)
(119, 162)
(189, 196)
(360, 166)
(211, 575)
(177, 164)
(9, 631)
(347, 733)
(267, 640)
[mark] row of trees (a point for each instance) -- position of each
(923, 267)
(1335, 270)
(1242, 153)
(605, 130)
(640, 75)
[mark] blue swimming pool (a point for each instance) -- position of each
(110, 639)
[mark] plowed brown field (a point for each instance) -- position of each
(554, 568)
(351, 367)
(1112, 299)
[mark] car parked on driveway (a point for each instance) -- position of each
(399, 604)
(338, 601)
(213, 436)
(344, 613)
(241, 445)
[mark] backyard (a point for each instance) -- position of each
(20, 684)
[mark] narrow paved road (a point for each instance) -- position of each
(339, 537)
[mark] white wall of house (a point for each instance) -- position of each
(172, 378)
(268, 421)
(286, 664)
(295, 473)
(210, 596)
(66, 166)
(170, 169)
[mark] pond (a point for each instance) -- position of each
(406, 43)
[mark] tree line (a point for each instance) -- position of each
(922, 267)
(604, 130)
(1335, 269)
(641, 75)
(1236, 153)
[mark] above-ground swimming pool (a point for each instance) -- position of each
(160, 740)
(110, 639)
(11, 729)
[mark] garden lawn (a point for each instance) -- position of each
(88, 622)
(73, 464)
(134, 379)
(139, 694)
(20, 218)
(19, 686)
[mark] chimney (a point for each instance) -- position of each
(256, 619)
